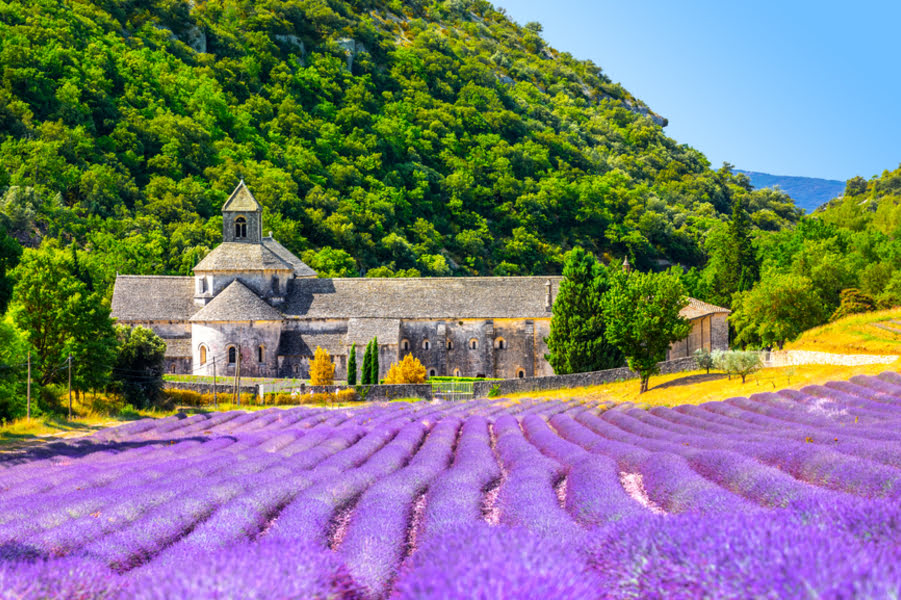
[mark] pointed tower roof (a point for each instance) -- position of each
(241, 200)
(237, 302)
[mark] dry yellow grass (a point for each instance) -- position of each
(867, 333)
(697, 387)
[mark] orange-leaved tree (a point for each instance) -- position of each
(409, 370)
(322, 369)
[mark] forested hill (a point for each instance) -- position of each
(381, 136)
(808, 193)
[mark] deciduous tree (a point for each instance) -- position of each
(138, 370)
(777, 310)
(322, 369)
(408, 370)
(641, 311)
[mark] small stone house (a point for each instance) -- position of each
(252, 301)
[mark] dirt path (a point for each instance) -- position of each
(16, 442)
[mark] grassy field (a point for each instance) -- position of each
(697, 387)
(867, 333)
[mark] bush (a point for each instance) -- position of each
(853, 301)
(348, 396)
(322, 369)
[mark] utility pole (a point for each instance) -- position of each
(70, 387)
(239, 374)
(215, 398)
(28, 391)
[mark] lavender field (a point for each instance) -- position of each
(780, 495)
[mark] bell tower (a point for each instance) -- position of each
(242, 217)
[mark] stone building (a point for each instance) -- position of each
(252, 301)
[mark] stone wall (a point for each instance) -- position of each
(222, 389)
(791, 358)
(374, 393)
(556, 382)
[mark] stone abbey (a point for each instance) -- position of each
(252, 300)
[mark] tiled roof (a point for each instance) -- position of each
(241, 200)
(295, 343)
(178, 347)
(698, 308)
(363, 330)
(153, 298)
(422, 298)
(237, 303)
(300, 268)
(242, 256)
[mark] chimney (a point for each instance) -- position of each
(548, 303)
(627, 268)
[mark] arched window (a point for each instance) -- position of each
(260, 354)
(500, 343)
(405, 344)
(240, 227)
(426, 344)
(232, 355)
(202, 354)
(521, 373)
(432, 372)
(274, 284)
(473, 344)
(456, 372)
(450, 345)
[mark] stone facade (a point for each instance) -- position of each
(251, 297)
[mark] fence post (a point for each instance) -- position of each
(70, 387)
(28, 391)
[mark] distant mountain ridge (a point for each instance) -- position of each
(807, 192)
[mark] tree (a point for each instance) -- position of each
(740, 269)
(704, 359)
(737, 362)
(577, 342)
(642, 315)
(853, 301)
(409, 370)
(366, 373)
(352, 365)
(855, 186)
(13, 355)
(778, 309)
(10, 253)
(60, 316)
(322, 369)
(374, 364)
(138, 370)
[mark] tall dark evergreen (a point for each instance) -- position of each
(374, 365)
(352, 365)
(577, 342)
(741, 269)
(366, 374)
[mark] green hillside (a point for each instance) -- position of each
(382, 137)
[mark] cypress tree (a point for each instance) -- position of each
(352, 365)
(741, 270)
(366, 378)
(374, 376)
(577, 342)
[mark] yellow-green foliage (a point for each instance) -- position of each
(867, 333)
(197, 399)
(409, 370)
(322, 369)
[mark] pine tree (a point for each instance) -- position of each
(366, 375)
(374, 376)
(577, 342)
(352, 365)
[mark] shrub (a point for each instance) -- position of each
(322, 369)
(409, 370)
(347, 396)
(853, 301)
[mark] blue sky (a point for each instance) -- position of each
(789, 88)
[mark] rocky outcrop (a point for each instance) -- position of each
(351, 48)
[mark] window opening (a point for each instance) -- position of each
(203, 355)
(232, 355)
(240, 227)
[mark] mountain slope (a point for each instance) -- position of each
(381, 136)
(808, 193)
